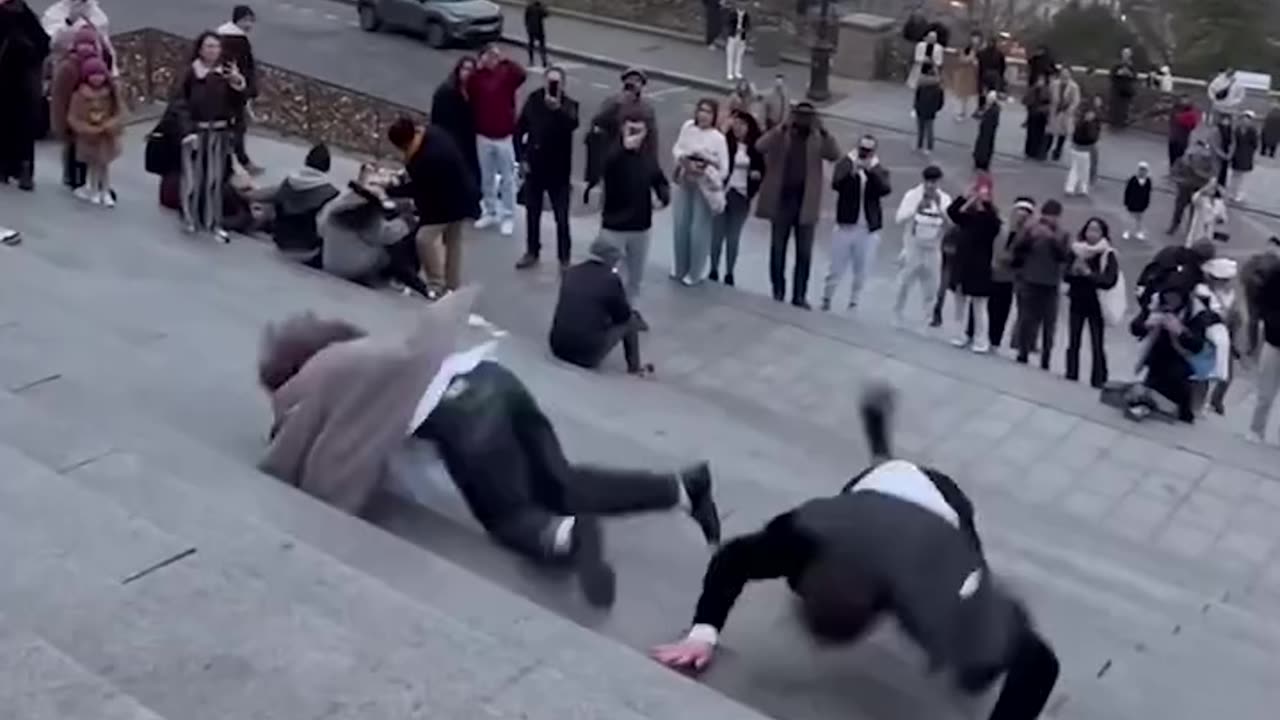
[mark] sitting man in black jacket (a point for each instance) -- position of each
(899, 539)
(296, 202)
(593, 314)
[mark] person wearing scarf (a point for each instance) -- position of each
(1093, 268)
(898, 540)
(347, 407)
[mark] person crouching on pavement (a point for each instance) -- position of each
(855, 556)
(95, 117)
(1173, 349)
(593, 314)
(365, 239)
(346, 405)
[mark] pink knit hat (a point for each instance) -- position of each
(93, 66)
(87, 36)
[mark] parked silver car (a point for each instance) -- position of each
(439, 21)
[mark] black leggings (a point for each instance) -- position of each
(1080, 313)
(506, 460)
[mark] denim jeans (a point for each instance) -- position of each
(728, 231)
(852, 247)
(497, 177)
(692, 224)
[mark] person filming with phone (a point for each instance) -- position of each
(544, 149)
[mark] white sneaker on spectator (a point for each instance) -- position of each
(982, 347)
(1256, 438)
(486, 221)
(83, 193)
(108, 198)
(98, 198)
(508, 226)
(960, 341)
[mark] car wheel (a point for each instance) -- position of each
(437, 37)
(369, 20)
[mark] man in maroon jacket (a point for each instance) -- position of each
(492, 90)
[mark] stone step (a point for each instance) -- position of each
(675, 581)
(38, 682)
(257, 621)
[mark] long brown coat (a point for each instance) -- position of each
(96, 117)
(774, 145)
(341, 418)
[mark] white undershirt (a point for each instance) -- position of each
(459, 363)
(741, 169)
(906, 481)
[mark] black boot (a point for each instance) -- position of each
(595, 577)
(26, 177)
(702, 506)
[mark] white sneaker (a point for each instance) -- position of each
(98, 198)
(1257, 438)
(1126, 235)
(508, 227)
(982, 347)
(960, 341)
(1142, 235)
(108, 198)
(83, 193)
(486, 221)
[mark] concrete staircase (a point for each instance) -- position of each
(152, 572)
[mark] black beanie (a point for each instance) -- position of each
(318, 158)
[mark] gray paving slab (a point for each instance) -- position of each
(1100, 590)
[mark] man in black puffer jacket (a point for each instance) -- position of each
(593, 314)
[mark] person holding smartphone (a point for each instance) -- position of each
(544, 148)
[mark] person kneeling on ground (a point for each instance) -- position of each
(900, 540)
(1173, 349)
(345, 405)
(296, 204)
(593, 314)
(365, 239)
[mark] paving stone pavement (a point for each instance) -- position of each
(1147, 551)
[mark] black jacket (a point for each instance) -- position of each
(535, 19)
(883, 554)
(731, 28)
(451, 112)
(1082, 288)
(206, 99)
(544, 138)
(237, 48)
(1270, 309)
(757, 160)
(854, 198)
(1040, 64)
(930, 98)
(631, 179)
(1137, 195)
(1087, 133)
(296, 206)
(592, 301)
(991, 67)
(441, 186)
(1247, 142)
(977, 230)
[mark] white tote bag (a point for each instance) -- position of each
(1115, 299)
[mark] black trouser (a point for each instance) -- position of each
(1082, 311)
(559, 196)
(924, 133)
(17, 139)
(1029, 679)
(506, 460)
(999, 304)
(1059, 144)
(540, 40)
(1037, 313)
(1268, 149)
(627, 333)
(944, 284)
(785, 221)
(1224, 172)
(1035, 145)
(713, 22)
(1171, 381)
(74, 172)
(1181, 201)
(241, 127)
(1177, 148)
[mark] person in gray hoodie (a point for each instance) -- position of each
(296, 204)
(365, 239)
(1040, 258)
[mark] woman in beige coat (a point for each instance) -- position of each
(1064, 93)
(962, 78)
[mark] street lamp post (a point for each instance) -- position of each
(820, 57)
